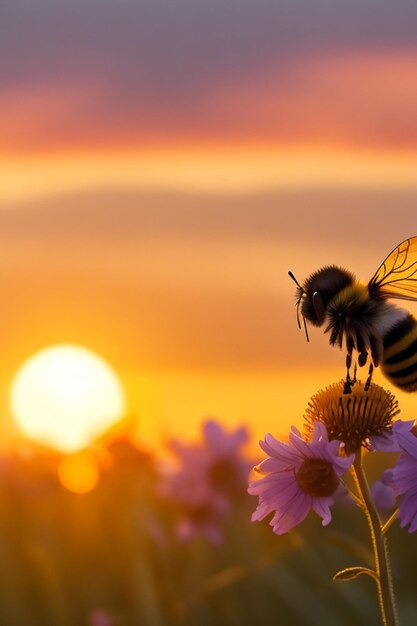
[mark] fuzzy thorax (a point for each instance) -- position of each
(352, 317)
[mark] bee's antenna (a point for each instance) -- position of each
(305, 329)
(298, 303)
(291, 275)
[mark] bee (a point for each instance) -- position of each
(360, 317)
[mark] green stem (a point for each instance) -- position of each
(390, 521)
(382, 567)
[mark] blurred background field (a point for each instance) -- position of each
(112, 557)
(162, 166)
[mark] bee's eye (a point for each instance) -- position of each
(318, 305)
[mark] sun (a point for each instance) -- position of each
(65, 396)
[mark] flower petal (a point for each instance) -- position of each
(383, 496)
(389, 441)
(303, 447)
(278, 449)
(322, 508)
(386, 442)
(293, 515)
(408, 442)
(319, 433)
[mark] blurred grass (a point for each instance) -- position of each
(64, 556)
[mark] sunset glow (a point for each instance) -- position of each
(167, 168)
(78, 472)
(65, 396)
(227, 169)
(159, 182)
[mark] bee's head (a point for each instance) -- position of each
(319, 289)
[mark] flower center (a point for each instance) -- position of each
(317, 477)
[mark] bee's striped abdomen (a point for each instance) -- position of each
(399, 358)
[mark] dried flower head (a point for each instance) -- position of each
(360, 418)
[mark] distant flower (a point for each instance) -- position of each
(403, 477)
(360, 418)
(204, 520)
(201, 508)
(189, 483)
(100, 617)
(210, 478)
(228, 470)
(301, 476)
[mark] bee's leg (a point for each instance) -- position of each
(354, 379)
(369, 379)
(376, 350)
(363, 357)
(350, 345)
(348, 381)
(361, 348)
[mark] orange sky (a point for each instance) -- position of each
(188, 295)
(160, 173)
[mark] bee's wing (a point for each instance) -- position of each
(397, 276)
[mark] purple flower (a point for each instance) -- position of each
(388, 440)
(383, 495)
(228, 469)
(403, 477)
(201, 507)
(210, 477)
(220, 442)
(100, 617)
(301, 475)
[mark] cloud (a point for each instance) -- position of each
(136, 73)
(267, 216)
(354, 98)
